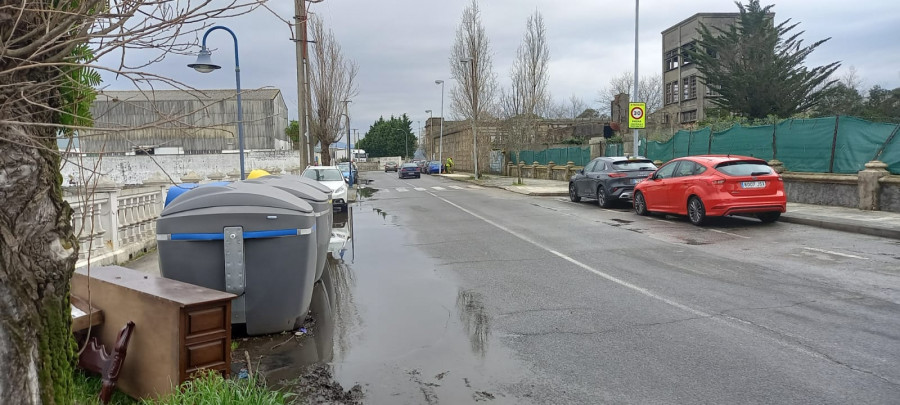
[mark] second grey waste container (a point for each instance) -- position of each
(320, 202)
(253, 240)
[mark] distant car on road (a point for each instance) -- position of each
(390, 167)
(609, 179)
(409, 170)
(332, 178)
(713, 185)
(433, 167)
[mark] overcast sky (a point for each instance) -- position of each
(403, 46)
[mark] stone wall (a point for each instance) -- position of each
(822, 189)
(550, 171)
(137, 169)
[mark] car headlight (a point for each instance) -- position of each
(341, 190)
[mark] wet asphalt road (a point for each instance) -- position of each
(453, 294)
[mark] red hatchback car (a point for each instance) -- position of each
(712, 185)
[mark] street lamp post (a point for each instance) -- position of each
(441, 147)
(430, 117)
(471, 64)
(636, 139)
(204, 65)
(347, 114)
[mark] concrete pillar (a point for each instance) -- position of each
(570, 169)
(777, 165)
(111, 217)
(658, 163)
(869, 188)
(598, 146)
(550, 166)
(193, 177)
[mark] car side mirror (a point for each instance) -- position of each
(580, 171)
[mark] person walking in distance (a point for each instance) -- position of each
(449, 164)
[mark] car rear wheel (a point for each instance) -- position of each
(768, 217)
(602, 198)
(696, 211)
(573, 195)
(640, 204)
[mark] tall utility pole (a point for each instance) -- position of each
(300, 42)
(441, 146)
(634, 98)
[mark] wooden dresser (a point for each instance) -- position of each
(179, 329)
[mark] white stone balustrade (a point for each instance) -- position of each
(114, 223)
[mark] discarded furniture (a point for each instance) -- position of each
(84, 315)
(182, 328)
(95, 358)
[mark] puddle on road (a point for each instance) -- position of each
(366, 192)
(386, 320)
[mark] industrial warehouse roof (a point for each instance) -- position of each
(178, 95)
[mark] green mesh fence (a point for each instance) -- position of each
(614, 149)
(819, 145)
(575, 154)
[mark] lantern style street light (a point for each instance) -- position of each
(204, 65)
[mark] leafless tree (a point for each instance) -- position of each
(44, 47)
(473, 96)
(331, 78)
(649, 91)
(527, 95)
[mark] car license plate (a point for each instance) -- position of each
(753, 184)
(636, 181)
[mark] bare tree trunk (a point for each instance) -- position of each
(37, 256)
(326, 153)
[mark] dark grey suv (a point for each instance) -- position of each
(609, 179)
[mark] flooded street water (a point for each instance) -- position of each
(384, 319)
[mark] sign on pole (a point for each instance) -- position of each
(636, 115)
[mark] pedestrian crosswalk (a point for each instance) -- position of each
(434, 188)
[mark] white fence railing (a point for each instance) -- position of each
(114, 223)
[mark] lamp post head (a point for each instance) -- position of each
(427, 111)
(465, 60)
(438, 82)
(204, 62)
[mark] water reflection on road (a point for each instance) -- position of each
(385, 318)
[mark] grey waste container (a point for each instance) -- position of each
(320, 202)
(252, 240)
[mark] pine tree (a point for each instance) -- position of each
(756, 67)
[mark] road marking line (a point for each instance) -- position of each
(609, 277)
(836, 253)
(476, 187)
(728, 320)
(418, 189)
(438, 188)
(401, 189)
(729, 233)
(456, 187)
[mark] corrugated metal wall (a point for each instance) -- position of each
(198, 126)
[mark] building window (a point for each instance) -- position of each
(711, 91)
(671, 60)
(690, 87)
(672, 92)
(688, 116)
(685, 58)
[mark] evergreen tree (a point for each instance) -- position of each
(392, 137)
(757, 68)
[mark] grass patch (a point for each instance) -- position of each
(210, 388)
(87, 391)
